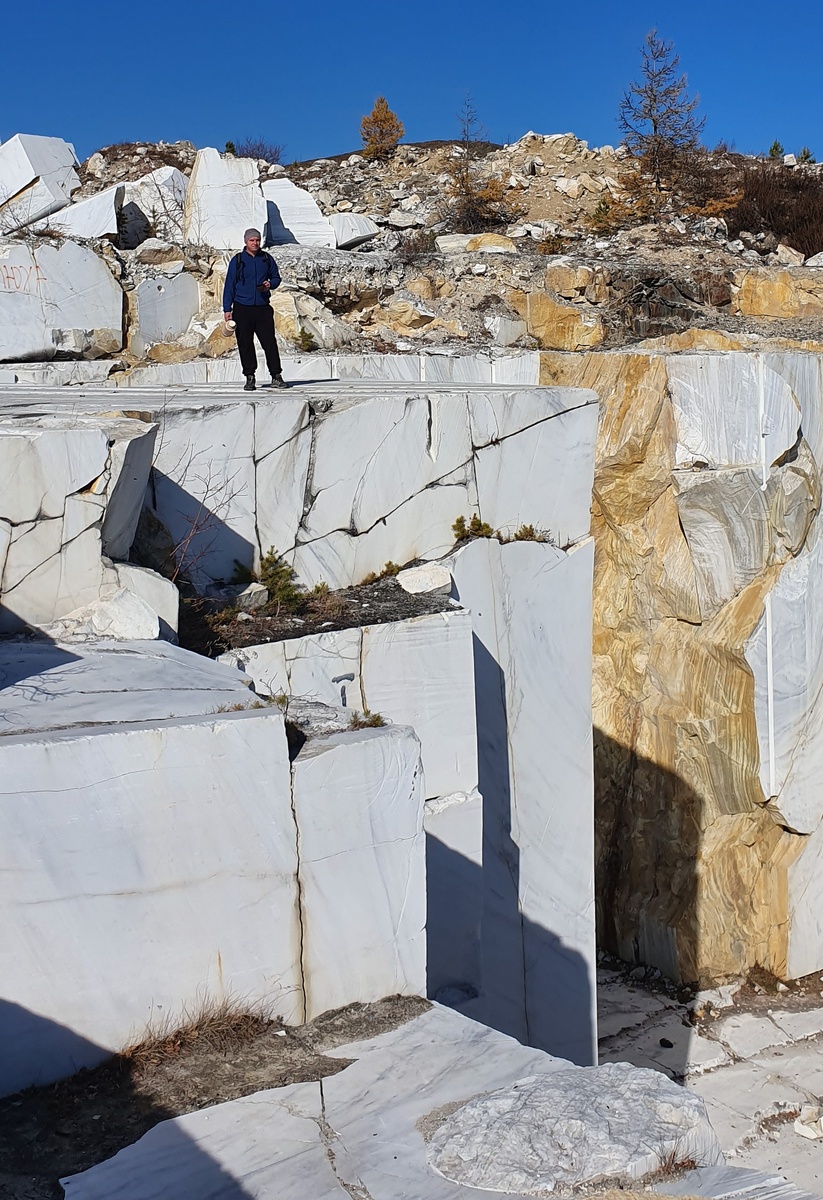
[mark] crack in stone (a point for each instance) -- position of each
(380, 520)
(328, 1136)
(301, 908)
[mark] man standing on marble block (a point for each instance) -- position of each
(251, 276)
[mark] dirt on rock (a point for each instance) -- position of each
(47, 1133)
(375, 603)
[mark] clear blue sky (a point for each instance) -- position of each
(96, 73)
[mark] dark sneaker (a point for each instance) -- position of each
(278, 382)
(249, 384)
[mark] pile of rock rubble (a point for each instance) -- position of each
(123, 257)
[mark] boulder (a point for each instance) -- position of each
(292, 216)
(568, 187)
(57, 299)
(786, 294)
(122, 617)
(159, 593)
(573, 1128)
(296, 314)
(453, 243)
(557, 326)
(222, 200)
(428, 577)
(404, 220)
(491, 243)
(402, 316)
(96, 217)
(505, 332)
(162, 309)
(154, 204)
(37, 177)
(352, 229)
(788, 256)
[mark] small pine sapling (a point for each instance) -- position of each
(381, 130)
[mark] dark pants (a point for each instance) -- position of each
(256, 319)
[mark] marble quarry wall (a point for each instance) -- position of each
(134, 840)
(342, 476)
(364, 471)
(416, 672)
(707, 658)
(492, 690)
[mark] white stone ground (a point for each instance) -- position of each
(748, 1067)
(379, 1130)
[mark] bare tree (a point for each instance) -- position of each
(656, 115)
(475, 200)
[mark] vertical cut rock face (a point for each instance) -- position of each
(708, 660)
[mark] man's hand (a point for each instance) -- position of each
(227, 316)
(266, 284)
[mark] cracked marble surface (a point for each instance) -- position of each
(358, 1134)
(345, 474)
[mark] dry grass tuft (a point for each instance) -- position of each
(366, 720)
(219, 1025)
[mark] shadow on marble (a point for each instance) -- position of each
(37, 1141)
(16, 668)
(647, 849)
(202, 541)
(518, 977)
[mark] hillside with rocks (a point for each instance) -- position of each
(553, 273)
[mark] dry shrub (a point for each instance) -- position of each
(475, 201)
(477, 204)
(219, 1025)
(258, 148)
(418, 244)
(366, 720)
(552, 243)
(780, 200)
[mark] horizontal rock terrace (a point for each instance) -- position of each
(341, 476)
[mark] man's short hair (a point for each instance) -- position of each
(250, 233)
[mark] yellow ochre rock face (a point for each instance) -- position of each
(555, 325)
(788, 294)
(691, 862)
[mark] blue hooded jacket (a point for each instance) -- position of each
(243, 285)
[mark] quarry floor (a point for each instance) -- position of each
(754, 1055)
(50, 1132)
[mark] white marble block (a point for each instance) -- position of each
(358, 803)
(416, 672)
(37, 177)
(70, 490)
(154, 204)
(57, 298)
(203, 487)
(158, 592)
(292, 216)
(95, 217)
(454, 896)
(165, 307)
(145, 866)
(223, 199)
(531, 614)
(352, 229)
(420, 672)
(757, 421)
